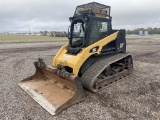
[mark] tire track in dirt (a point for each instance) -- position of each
(18, 64)
(148, 57)
(28, 49)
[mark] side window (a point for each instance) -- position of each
(104, 26)
(98, 31)
(103, 30)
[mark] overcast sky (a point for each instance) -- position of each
(18, 15)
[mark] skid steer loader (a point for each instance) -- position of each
(94, 58)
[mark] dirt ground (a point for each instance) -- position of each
(134, 97)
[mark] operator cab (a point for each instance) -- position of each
(90, 23)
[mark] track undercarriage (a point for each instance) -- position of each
(107, 71)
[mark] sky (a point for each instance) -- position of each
(37, 15)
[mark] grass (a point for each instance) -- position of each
(10, 38)
(137, 37)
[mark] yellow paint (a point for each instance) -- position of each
(76, 61)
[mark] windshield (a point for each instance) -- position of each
(77, 34)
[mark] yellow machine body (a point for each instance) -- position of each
(76, 61)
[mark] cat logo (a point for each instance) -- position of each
(121, 45)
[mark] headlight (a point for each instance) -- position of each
(94, 49)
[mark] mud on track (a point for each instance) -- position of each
(135, 97)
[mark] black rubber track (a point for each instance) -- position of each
(90, 76)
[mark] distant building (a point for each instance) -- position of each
(141, 33)
(145, 33)
(58, 34)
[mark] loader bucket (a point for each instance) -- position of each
(51, 91)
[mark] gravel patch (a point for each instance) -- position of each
(134, 97)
